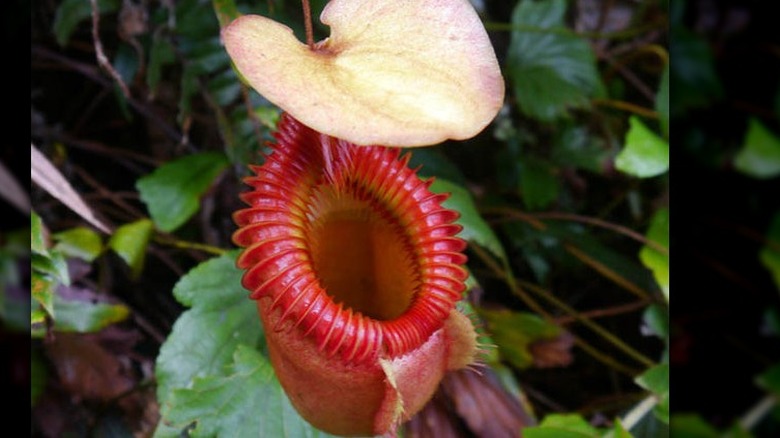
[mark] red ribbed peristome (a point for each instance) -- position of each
(275, 231)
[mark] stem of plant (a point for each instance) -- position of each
(307, 24)
(536, 307)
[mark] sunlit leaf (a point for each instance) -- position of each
(205, 337)
(246, 401)
(770, 253)
(562, 426)
(475, 229)
(645, 154)
(79, 242)
(760, 153)
(656, 380)
(656, 319)
(654, 259)
(37, 236)
(71, 12)
(130, 241)
(172, 192)
(513, 332)
(551, 69)
(618, 431)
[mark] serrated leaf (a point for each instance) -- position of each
(759, 156)
(770, 379)
(662, 102)
(172, 192)
(130, 241)
(72, 12)
(645, 154)
(538, 184)
(475, 229)
(247, 401)
(551, 69)
(656, 380)
(513, 332)
(79, 242)
(204, 337)
(654, 259)
(770, 253)
(37, 236)
(562, 426)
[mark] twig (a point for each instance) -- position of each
(610, 311)
(627, 106)
(638, 412)
(307, 24)
(102, 59)
(93, 74)
(758, 411)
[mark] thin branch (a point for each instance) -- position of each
(307, 24)
(610, 311)
(758, 412)
(627, 106)
(102, 59)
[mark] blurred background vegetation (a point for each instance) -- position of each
(566, 200)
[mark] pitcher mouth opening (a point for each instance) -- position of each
(349, 244)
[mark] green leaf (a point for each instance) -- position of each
(54, 265)
(247, 401)
(80, 242)
(205, 337)
(475, 229)
(538, 183)
(42, 290)
(86, 316)
(172, 192)
(691, 426)
(656, 319)
(645, 154)
(577, 147)
(562, 426)
(513, 332)
(656, 380)
(130, 241)
(37, 237)
(72, 12)
(618, 431)
(760, 153)
(551, 69)
(770, 253)
(662, 102)
(770, 379)
(653, 259)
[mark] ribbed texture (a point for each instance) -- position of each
(278, 258)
